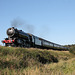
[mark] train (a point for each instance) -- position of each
(18, 38)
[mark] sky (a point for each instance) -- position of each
(53, 20)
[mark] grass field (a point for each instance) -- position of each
(33, 61)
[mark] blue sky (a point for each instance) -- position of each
(53, 20)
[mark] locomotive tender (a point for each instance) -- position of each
(18, 38)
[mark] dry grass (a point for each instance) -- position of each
(10, 59)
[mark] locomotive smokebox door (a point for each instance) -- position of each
(10, 32)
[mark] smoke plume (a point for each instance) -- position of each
(18, 22)
(43, 30)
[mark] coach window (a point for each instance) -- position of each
(51, 44)
(32, 38)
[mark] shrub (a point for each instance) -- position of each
(72, 50)
(36, 58)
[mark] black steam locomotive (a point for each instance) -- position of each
(18, 38)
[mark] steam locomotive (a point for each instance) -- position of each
(18, 38)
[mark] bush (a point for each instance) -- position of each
(72, 50)
(37, 57)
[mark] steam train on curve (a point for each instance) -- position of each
(18, 38)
